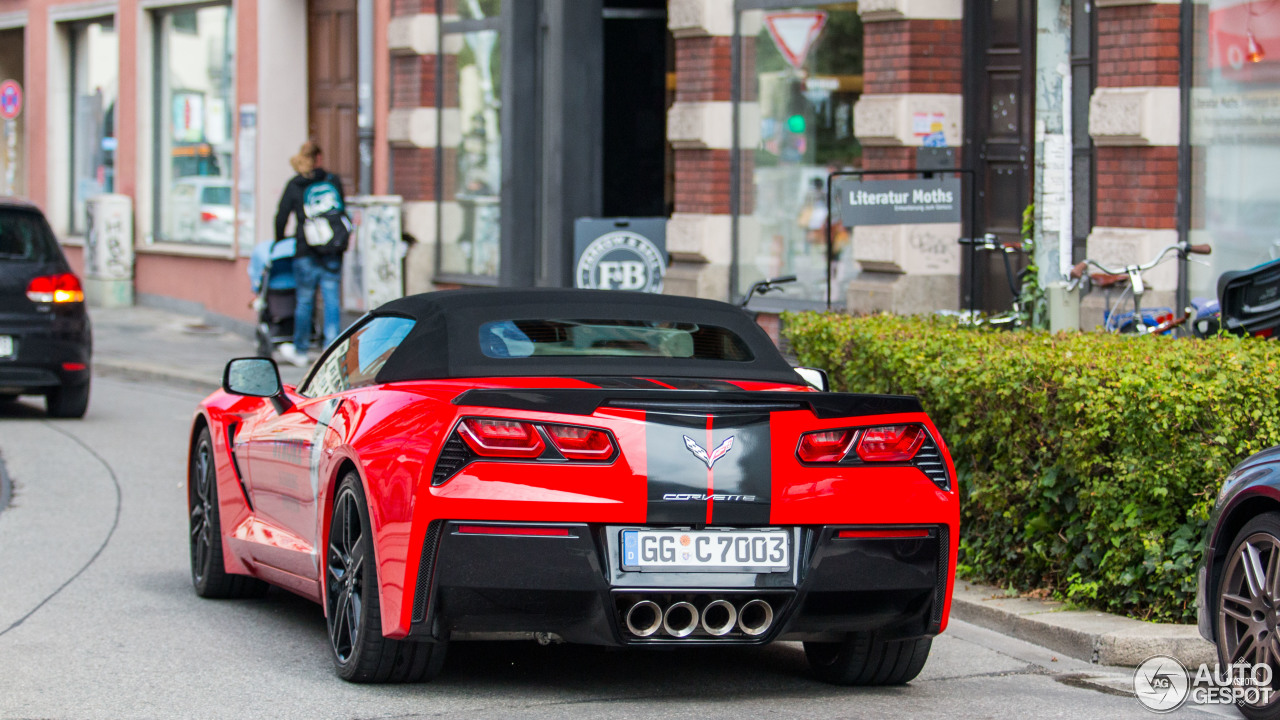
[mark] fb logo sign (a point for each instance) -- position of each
(621, 274)
(621, 261)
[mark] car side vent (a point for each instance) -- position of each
(929, 460)
(422, 591)
(455, 456)
(940, 592)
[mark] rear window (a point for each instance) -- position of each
(25, 236)
(216, 195)
(610, 338)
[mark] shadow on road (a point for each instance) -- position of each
(516, 666)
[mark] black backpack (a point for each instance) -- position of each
(326, 227)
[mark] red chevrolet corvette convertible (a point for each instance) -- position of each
(581, 466)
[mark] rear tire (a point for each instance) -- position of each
(352, 609)
(209, 576)
(68, 401)
(864, 659)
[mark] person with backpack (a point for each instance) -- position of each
(314, 198)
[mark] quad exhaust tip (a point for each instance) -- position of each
(680, 620)
(644, 618)
(719, 617)
(755, 617)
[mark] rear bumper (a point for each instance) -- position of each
(571, 585)
(52, 352)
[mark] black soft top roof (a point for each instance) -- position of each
(445, 341)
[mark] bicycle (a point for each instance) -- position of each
(1019, 314)
(763, 287)
(1138, 321)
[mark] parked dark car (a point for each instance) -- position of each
(1238, 596)
(45, 339)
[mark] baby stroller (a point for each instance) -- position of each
(271, 274)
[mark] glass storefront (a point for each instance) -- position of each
(473, 170)
(801, 75)
(1235, 138)
(194, 111)
(94, 87)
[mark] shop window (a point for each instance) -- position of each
(801, 75)
(94, 87)
(1235, 139)
(472, 160)
(194, 109)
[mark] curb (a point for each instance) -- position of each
(1088, 635)
(133, 370)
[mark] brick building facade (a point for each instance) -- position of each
(499, 123)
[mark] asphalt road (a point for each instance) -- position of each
(98, 620)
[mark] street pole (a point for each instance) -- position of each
(11, 156)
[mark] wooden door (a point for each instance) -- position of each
(1001, 111)
(332, 75)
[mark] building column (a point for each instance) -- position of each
(413, 131)
(700, 129)
(914, 57)
(1134, 119)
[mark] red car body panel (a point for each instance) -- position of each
(278, 462)
(389, 434)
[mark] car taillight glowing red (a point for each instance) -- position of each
(580, 443)
(890, 443)
(207, 216)
(64, 288)
(502, 438)
(824, 446)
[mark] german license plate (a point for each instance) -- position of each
(706, 550)
(6, 346)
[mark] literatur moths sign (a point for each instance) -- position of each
(897, 202)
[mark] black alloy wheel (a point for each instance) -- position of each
(208, 574)
(346, 576)
(352, 607)
(1249, 607)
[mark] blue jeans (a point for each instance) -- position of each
(327, 274)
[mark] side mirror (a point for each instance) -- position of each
(815, 377)
(254, 376)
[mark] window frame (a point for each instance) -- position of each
(71, 27)
(160, 124)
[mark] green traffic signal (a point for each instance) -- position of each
(796, 124)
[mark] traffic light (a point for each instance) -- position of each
(796, 124)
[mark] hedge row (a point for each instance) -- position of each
(1087, 463)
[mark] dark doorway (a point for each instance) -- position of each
(1000, 95)
(637, 51)
(332, 72)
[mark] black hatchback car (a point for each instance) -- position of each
(45, 339)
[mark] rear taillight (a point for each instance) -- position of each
(502, 438)
(580, 443)
(890, 443)
(825, 446)
(207, 216)
(64, 288)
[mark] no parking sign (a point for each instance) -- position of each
(10, 99)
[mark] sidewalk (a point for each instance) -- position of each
(149, 344)
(157, 345)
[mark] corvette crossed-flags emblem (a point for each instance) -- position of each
(715, 455)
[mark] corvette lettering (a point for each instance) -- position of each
(694, 497)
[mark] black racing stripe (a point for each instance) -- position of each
(674, 470)
(695, 384)
(744, 475)
(622, 383)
